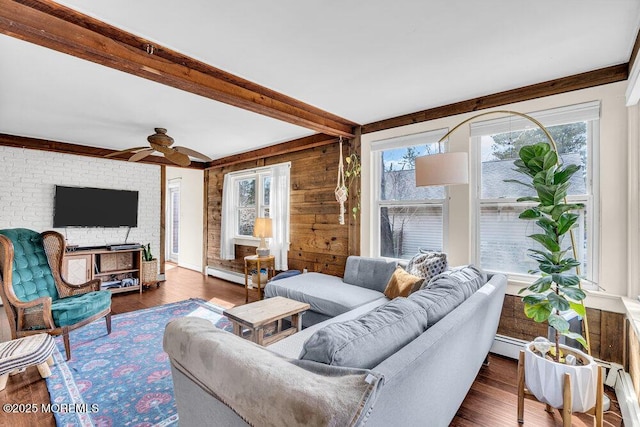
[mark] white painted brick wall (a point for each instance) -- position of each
(27, 185)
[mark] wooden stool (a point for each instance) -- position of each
(17, 355)
(565, 412)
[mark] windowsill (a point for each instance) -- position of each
(247, 241)
(595, 299)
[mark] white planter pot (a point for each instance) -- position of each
(544, 378)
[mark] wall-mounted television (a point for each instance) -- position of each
(94, 207)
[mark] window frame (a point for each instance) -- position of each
(258, 175)
(404, 141)
(549, 118)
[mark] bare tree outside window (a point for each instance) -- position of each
(246, 206)
(411, 217)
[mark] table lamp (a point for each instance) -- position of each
(262, 229)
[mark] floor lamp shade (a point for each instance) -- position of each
(262, 229)
(442, 169)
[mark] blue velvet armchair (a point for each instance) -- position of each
(36, 297)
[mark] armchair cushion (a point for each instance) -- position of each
(71, 310)
(32, 277)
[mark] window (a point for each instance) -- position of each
(408, 218)
(248, 194)
(252, 195)
(501, 241)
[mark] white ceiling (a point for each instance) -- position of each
(364, 60)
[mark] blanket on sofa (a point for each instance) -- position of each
(303, 393)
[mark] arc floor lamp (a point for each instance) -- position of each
(453, 169)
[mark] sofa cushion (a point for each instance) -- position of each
(368, 340)
(401, 283)
(73, 309)
(427, 265)
(469, 278)
(371, 273)
(291, 346)
(438, 301)
(325, 294)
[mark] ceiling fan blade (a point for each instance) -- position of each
(141, 155)
(179, 159)
(193, 153)
(128, 150)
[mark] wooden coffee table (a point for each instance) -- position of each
(257, 315)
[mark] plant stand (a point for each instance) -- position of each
(566, 410)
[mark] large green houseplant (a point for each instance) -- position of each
(558, 288)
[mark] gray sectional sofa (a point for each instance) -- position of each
(329, 296)
(221, 379)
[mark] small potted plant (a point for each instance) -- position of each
(149, 268)
(558, 288)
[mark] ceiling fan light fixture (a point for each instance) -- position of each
(160, 138)
(161, 142)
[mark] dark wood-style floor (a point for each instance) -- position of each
(490, 402)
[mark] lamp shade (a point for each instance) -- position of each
(442, 169)
(262, 228)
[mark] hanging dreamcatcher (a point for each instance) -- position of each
(341, 191)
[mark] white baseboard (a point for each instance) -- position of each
(193, 267)
(230, 276)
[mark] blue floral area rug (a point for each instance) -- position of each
(121, 379)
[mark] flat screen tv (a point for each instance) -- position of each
(94, 207)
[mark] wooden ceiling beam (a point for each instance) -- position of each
(589, 79)
(49, 24)
(316, 140)
(81, 150)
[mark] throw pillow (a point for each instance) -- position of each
(285, 274)
(368, 340)
(469, 278)
(401, 283)
(427, 265)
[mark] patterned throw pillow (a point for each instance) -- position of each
(427, 265)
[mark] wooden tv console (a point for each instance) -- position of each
(83, 265)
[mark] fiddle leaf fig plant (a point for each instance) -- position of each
(558, 288)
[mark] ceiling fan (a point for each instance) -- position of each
(162, 142)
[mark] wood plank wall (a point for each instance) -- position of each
(318, 242)
(633, 351)
(606, 329)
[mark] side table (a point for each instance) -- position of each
(260, 262)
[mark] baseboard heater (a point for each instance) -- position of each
(230, 276)
(627, 400)
(507, 346)
(614, 375)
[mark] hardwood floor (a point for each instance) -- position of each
(491, 401)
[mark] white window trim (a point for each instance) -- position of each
(590, 112)
(241, 239)
(258, 174)
(409, 140)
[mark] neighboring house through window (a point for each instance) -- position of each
(501, 237)
(249, 194)
(408, 218)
